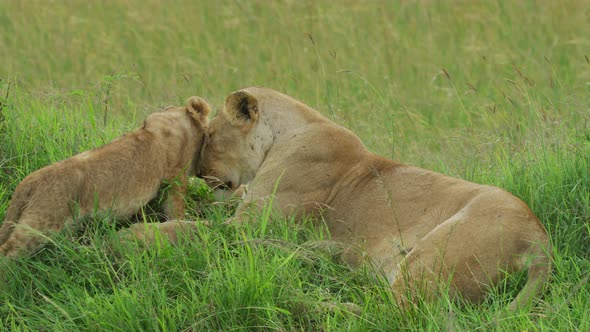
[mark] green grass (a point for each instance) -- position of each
(491, 91)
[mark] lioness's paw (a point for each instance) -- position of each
(241, 192)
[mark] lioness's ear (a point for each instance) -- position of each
(198, 109)
(242, 106)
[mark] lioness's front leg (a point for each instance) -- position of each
(258, 200)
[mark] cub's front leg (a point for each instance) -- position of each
(147, 234)
(174, 204)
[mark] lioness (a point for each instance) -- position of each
(120, 177)
(421, 229)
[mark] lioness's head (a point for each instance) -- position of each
(241, 135)
(238, 139)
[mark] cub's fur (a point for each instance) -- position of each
(120, 177)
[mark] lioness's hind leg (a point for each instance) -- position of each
(418, 278)
(465, 254)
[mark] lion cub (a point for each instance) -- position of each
(120, 177)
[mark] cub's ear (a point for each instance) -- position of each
(242, 106)
(198, 109)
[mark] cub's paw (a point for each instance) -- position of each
(149, 234)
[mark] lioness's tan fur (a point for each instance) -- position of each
(420, 228)
(120, 177)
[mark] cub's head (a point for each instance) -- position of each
(173, 120)
(237, 141)
(181, 129)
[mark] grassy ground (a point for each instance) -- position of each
(495, 92)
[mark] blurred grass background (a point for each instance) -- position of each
(496, 92)
(408, 77)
